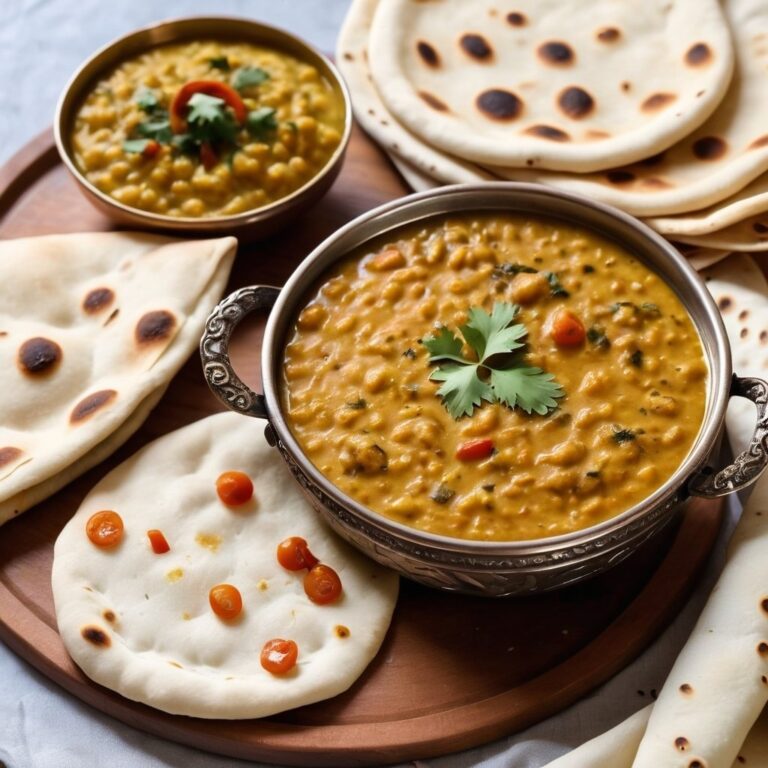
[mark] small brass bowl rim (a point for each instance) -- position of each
(134, 43)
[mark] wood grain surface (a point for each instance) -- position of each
(454, 671)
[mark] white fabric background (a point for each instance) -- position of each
(41, 44)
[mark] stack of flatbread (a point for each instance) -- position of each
(660, 110)
(92, 329)
(708, 714)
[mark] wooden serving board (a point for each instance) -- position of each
(454, 671)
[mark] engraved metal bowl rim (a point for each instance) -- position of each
(488, 197)
(180, 29)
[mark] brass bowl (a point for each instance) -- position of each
(257, 222)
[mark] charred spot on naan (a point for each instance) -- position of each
(428, 54)
(620, 177)
(649, 162)
(109, 616)
(476, 47)
(156, 326)
(90, 404)
(96, 636)
(655, 182)
(517, 19)
(709, 148)
(698, 55)
(575, 102)
(682, 744)
(686, 689)
(657, 101)
(760, 228)
(433, 101)
(724, 303)
(341, 631)
(759, 143)
(608, 34)
(595, 135)
(764, 340)
(556, 53)
(9, 454)
(39, 356)
(762, 648)
(499, 104)
(547, 132)
(98, 299)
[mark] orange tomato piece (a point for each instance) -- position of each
(322, 584)
(158, 542)
(151, 149)
(567, 330)
(474, 450)
(234, 488)
(105, 528)
(226, 601)
(294, 555)
(279, 656)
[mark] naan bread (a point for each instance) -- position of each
(372, 114)
(713, 163)
(164, 646)
(699, 257)
(558, 84)
(750, 201)
(413, 176)
(749, 236)
(719, 683)
(91, 325)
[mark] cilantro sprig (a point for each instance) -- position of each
(499, 373)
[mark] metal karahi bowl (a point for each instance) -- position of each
(251, 224)
(477, 567)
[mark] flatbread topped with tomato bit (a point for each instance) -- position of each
(197, 579)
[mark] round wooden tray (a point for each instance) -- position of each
(454, 672)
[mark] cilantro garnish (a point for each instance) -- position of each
(442, 494)
(357, 405)
(498, 375)
(622, 435)
(261, 121)
(158, 129)
(135, 146)
(248, 76)
(508, 268)
(596, 335)
(555, 286)
(208, 119)
(146, 99)
(646, 308)
(220, 62)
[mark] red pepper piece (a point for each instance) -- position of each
(474, 450)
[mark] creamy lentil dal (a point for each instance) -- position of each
(279, 124)
(359, 399)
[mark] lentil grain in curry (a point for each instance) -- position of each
(359, 398)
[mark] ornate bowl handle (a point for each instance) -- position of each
(749, 465)
(214, 348)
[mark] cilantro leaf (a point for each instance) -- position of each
(497, 344)
(220, 62)
(528, 388)
(261, 121)
(462, 388)
(135, 146)
(488, 334)
(146, 99)
(248, 76)
(555, 286)
(158, 129)
(444, 346)
(209, 120)
(509, 268)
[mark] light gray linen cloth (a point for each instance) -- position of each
(41, 44)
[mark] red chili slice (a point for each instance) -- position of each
(158, 542)
(208, 156)
(151, 149)
(474, 450)
(178, 111)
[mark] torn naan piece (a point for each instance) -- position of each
(558, 84)
(143, 614)
(750, 201)
(92, 327)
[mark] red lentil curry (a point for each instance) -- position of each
(495, 377)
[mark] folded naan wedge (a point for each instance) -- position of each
(141, 622)
(92, 329)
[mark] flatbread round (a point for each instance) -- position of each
(90, 326)
(749, 236)
(750, 201)
(140, 623)
(558, 84)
